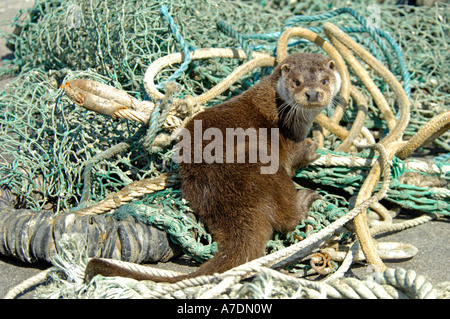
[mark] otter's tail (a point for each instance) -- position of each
(230, 255)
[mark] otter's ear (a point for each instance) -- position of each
(332, 65)
(285, 69)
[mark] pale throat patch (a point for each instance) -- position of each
(282, 91)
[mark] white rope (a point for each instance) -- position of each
(152, 271)
(258, 60)
(375, 230)
(27, 284)
(356, 161)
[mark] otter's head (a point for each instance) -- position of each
(306, 84)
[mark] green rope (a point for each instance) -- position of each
(167, 211)
(422, 198)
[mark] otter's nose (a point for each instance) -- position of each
(312, 96)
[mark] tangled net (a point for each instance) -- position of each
(59, 157)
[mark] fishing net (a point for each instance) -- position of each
(54, 154)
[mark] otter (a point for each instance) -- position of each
(241, 206)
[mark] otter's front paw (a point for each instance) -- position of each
(310, 148)
(308, 151)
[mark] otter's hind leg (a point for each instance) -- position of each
(304, 199)
(298, 210)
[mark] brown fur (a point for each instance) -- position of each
(240, 206)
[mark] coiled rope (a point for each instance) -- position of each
(261, 282)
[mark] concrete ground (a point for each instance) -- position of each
(431, 239)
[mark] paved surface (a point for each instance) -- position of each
(432, 239)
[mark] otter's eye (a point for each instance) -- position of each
(297, 83)
(324, 81)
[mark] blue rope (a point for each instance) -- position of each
(229, 31)
(157, 119)
(184, 46)
(154, 128)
